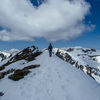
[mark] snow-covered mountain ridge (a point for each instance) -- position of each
(85, 59)
(31, 74)
(27, 55)
(5, 54)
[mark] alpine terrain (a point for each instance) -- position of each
(31, 74)
(5, 54)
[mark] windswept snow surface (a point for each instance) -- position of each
(98, 60)
(55, 79)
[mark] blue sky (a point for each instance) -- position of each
(86, 38)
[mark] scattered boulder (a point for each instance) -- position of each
(1, 93)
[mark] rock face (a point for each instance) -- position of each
(28, 54)
(2, 56)
(65, 54)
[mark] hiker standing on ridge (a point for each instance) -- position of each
(50, 49)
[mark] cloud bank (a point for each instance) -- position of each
(53, 20)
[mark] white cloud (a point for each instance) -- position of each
(53, 20)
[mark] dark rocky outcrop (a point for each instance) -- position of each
(27, 53)
(20, 73)
(30, 67)
(70, 49)
(65, 57)
(2, 74)
(1, 93)
(2, 56)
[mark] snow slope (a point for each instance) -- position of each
(86, 59)
(55, 79)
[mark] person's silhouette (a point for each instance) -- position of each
(50, 49)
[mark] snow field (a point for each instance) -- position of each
(55, 79)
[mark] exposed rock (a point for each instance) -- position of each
(20, 73)
(81, 67)
(2, 74)
(1, 93)
(86, 50)
(2, 56)
(23, 54)
(30, 67)
(76, 65)
(70, 49)
(93, 50)
(59, 55)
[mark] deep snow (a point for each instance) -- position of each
(55, 79)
